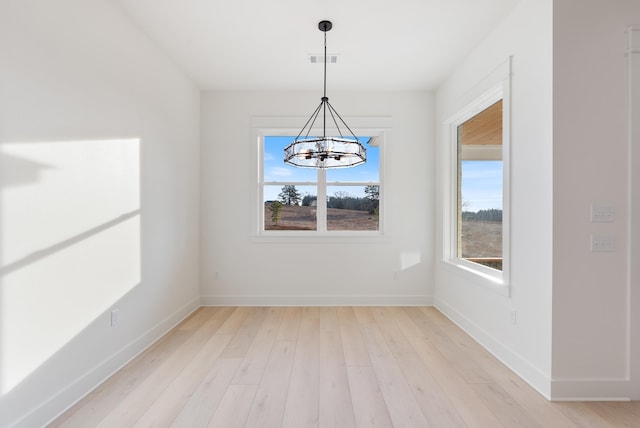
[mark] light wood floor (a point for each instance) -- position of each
(326, 367)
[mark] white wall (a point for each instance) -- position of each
(237, 269)
(99, 204)
(484, 313)
(591, 311)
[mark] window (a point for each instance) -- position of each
(476, 210)
(289, 196)
(480, 188)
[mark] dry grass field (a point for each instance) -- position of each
(481, 239)
(304, 218)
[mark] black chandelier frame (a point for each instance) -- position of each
(326, 151)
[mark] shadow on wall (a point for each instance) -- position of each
(69, 244)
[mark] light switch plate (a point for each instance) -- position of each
(602, 243)
(602, 213)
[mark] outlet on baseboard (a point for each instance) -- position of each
(115, 317)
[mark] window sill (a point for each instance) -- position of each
(478, 276)
(320, 238)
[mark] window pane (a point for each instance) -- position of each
(289, 207)
(480, 188)
(274, 168)
(364, 173)
(481, 211)
(352, 207)
(290, 194)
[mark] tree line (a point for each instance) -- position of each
(492, 214)
(341, 200)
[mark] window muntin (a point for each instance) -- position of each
(480, 188)
(348, 208)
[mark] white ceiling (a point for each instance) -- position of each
(265, 44)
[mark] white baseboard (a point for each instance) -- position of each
(317, 300)
(47, 411)
(520, 366)
(590, 390)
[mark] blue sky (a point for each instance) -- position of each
(481, 185)
(276, 170)
(481, 180)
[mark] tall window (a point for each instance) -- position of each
(318, 200)
(479, 225)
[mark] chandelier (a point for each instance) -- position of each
(326, 151)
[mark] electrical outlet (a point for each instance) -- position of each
(115, 317)
(513, 317)
(602, 213)
(602, 243)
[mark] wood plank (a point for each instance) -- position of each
(232, 411)
(434, 404)
(582, 414)
(243, 334)
(405, 323)
(302, 406)
(355, 351)
(197, 318)
(364, 315)
(290, 324)
(620, 414)
(336, 409)
(170, 402)
(439, 410)
(469, 368)
(255, 360)
(504, 407)
(386, 321)
(470, 407)
(268, 406)
(311, 312)
(201, 406)
(369, 407)
(223, 312)
(483, 128)
(401, 404)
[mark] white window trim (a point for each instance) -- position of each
(263, 126)
(495, 280)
